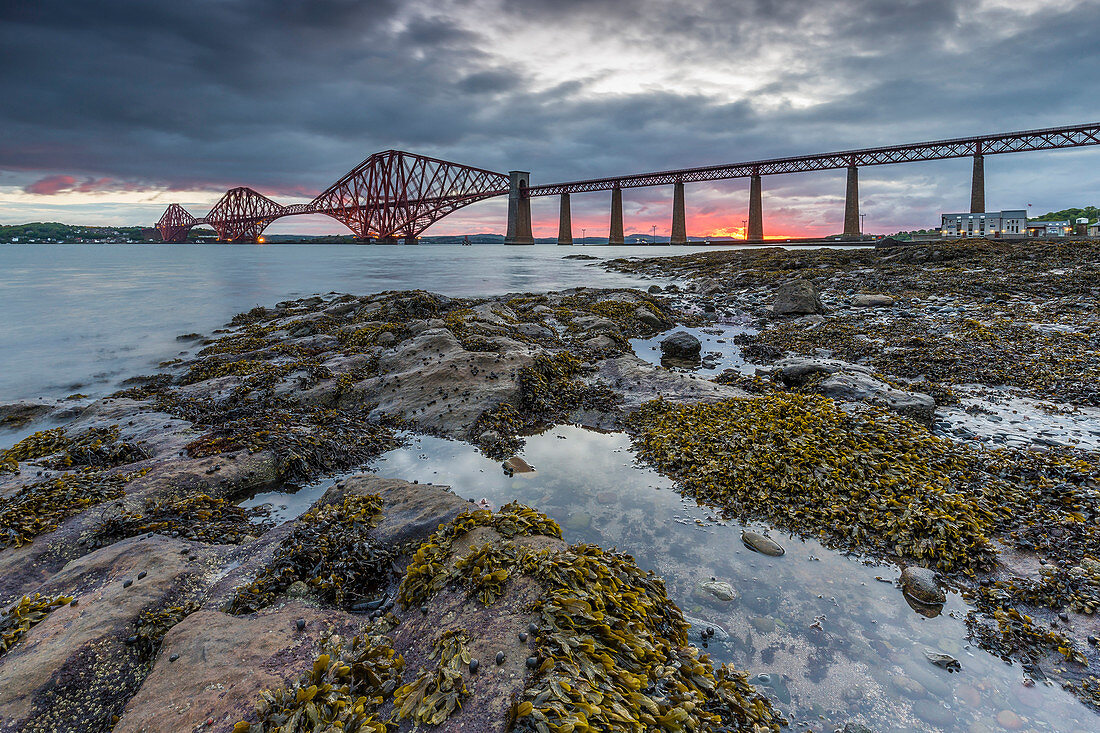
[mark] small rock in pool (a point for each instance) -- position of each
(681, 345)
(920, 584)
(762, 544)
(716, 590)
(515, 464)
(945, 661)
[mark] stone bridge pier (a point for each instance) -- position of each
(519, 209)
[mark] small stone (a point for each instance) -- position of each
(920, 584)
(523, 636)
(760, 543)
(127, 583)
(474, 664)
(424, 610)
(716, 589)
(1009, 720)
(515, 464)
(131, 640)
(943, 661)
(532, 662)
(142, 574)
(300, 623)
(500, 658)
(73, 603)
(173, 658)
(533, 627)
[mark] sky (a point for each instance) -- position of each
(115, 108)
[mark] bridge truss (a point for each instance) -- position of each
(1010, 142)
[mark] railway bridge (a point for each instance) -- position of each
(395, 196)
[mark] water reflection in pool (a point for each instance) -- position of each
(829, 638)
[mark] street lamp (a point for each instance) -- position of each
(654, 239)
(861, 218)
(584, 237)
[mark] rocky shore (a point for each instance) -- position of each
(138, 595)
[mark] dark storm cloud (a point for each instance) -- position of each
(286, 95)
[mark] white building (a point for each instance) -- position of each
(1094, 229)
(992, 224)
(1049, 228)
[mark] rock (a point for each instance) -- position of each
(867, 300)
(1009, 720)
(653, 289)
(648, 317)
(760, 543)
(943, 661)
(856, 728)
(600, 343)
(18, 414)
(489, 437)
(920, 584)
(797, 297)
(578, 521)
(515, 464)
(763, 624)
(385, 339)
(681, 345)
(860, 387)
(709, 591)
(639, 381)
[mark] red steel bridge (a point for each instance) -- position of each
(394, 194)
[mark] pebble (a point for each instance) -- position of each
(142, 574)
(474, 664)
(532, 662)
(300, 623)
(127, 583)
(762, 544)
(920, 584)
(533, 627)
(1010, 720)
(500, 657)
(523, 636)
(173, 658)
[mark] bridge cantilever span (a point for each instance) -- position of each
(395, 193)
(390, 193)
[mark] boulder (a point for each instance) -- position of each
(920, 584)
(859, 387)
(681, 345)
(797, 297)
(648, 318)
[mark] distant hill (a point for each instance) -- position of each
(1091, 212)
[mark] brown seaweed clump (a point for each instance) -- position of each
(197, 517)
(92, 448)
(18, 620)
(613, 651)
(330, 550)
(860, 479)
(341, 692)
(42, 506)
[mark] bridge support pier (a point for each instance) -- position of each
(755, 231)
(410, 239)
(679, 218)
(851, 204)
(565, 221)
(386, 240)
(519, 209)
(615, 236)
(977, 185)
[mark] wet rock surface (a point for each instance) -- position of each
(131, 506)
(681, 345)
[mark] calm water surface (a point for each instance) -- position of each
(828, 638)
(83, 317)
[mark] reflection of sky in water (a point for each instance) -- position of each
(716, 339)
(82, 317)
(865, 663)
